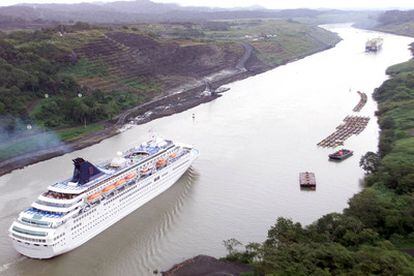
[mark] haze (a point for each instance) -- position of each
(273, 4)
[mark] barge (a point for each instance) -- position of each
(307, 180)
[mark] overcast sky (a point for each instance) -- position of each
(276, 4)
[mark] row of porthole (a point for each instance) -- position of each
(113, 211)
(81, 229)
(76, 226)
(127, 196)
(88, 218)
(96, 223)
(83, 215)
(84, 228)
(61, 241)
(142, 194)
(57, 237)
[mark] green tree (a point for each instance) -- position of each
(369, 162)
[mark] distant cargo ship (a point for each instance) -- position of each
(374, 44)
(73, 211)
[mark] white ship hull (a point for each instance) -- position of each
(84, 227)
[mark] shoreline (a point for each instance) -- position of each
(207, 265)
(176, 103)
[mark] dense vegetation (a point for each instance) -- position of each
(368, 237)
(38, 92)
(33, 87)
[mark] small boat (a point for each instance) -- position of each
(340, 155)
(307, 180)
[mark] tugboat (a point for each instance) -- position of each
(340, 155)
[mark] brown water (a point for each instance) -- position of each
(253, 142)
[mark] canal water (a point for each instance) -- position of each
(253, 141)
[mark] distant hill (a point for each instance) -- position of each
(142, 11)
(396, 17)
(145, 11)
(398, 22)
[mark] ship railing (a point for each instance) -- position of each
(21, 238)
(29, 232)
(46, 226)
(181, 154)
(53, 204)
(34, 211)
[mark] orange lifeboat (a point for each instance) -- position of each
(173, 155)
(161, 163)
(119, 182)
(93, 197)
(130, 176)
(108, 188)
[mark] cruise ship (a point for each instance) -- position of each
(73, 211)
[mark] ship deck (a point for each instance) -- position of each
(151, 150)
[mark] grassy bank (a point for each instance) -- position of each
(368, 237)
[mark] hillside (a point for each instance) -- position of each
(140, 11)
(70, 83)
(397, 22)
(121, 12)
